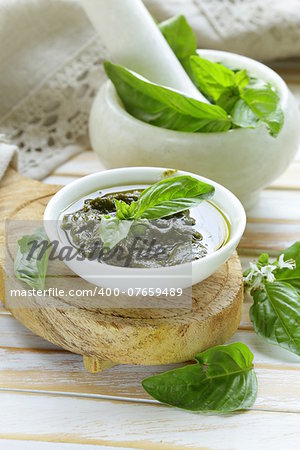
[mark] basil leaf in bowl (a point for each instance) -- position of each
(165, 198)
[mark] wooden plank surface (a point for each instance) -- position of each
(6, 444)
(139, 425)
(60, 372)
(49, 401)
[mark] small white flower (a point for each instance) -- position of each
(257, 282)
(267, 272)
(289, 264)
(254, 271)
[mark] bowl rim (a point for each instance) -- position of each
(78, 189)
(113, 99)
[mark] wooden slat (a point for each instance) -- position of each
(88, 162)
(82, 164)
(132, 425)
(15, 335)
(290, 179)
(51, 372)
(271, 237)
(60, 179)
(27, 362)
(38, 445)
(277, 205)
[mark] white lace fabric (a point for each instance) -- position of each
(50, 125)
(51, 65)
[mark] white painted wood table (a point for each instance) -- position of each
(48, 400)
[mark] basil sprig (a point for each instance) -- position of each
(216, 81)
(165, 198)
(238, 101)
(31, 260)
(249, 105)
(275, 288)
(162, 199)
(222, 380)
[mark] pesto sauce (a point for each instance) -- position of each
(150, 243)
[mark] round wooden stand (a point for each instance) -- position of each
(106, 337)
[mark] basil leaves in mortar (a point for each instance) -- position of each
(163, 107)
(238, 100)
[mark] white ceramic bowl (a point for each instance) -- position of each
(183, 275)
(243, 160)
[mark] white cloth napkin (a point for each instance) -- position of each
(8, 155)
(51, 65)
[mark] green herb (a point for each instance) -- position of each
(112, 231)
(215, 80)
(290, 274)
(241, 78)
(165, 198)
(243, 116)
(31, 259)
(162, 199)
(275, 313)
(222, 380)
(238, 101)
(181, 38)
(250, 105)
(263, 105)
(165, 107)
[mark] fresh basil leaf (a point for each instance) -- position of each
(164, 107)
(249, 102)
(124, 211)
(112, 231)
(241, 78)
(265, 104)
(231, 95)
(212, 79)
(291, 276)
(263, 259)
(243, 116)
(181, 38)
(172, 195)
(223, 380)
(228, 99)
(275, 315)
(31, 260)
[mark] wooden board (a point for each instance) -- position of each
(130, 336)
